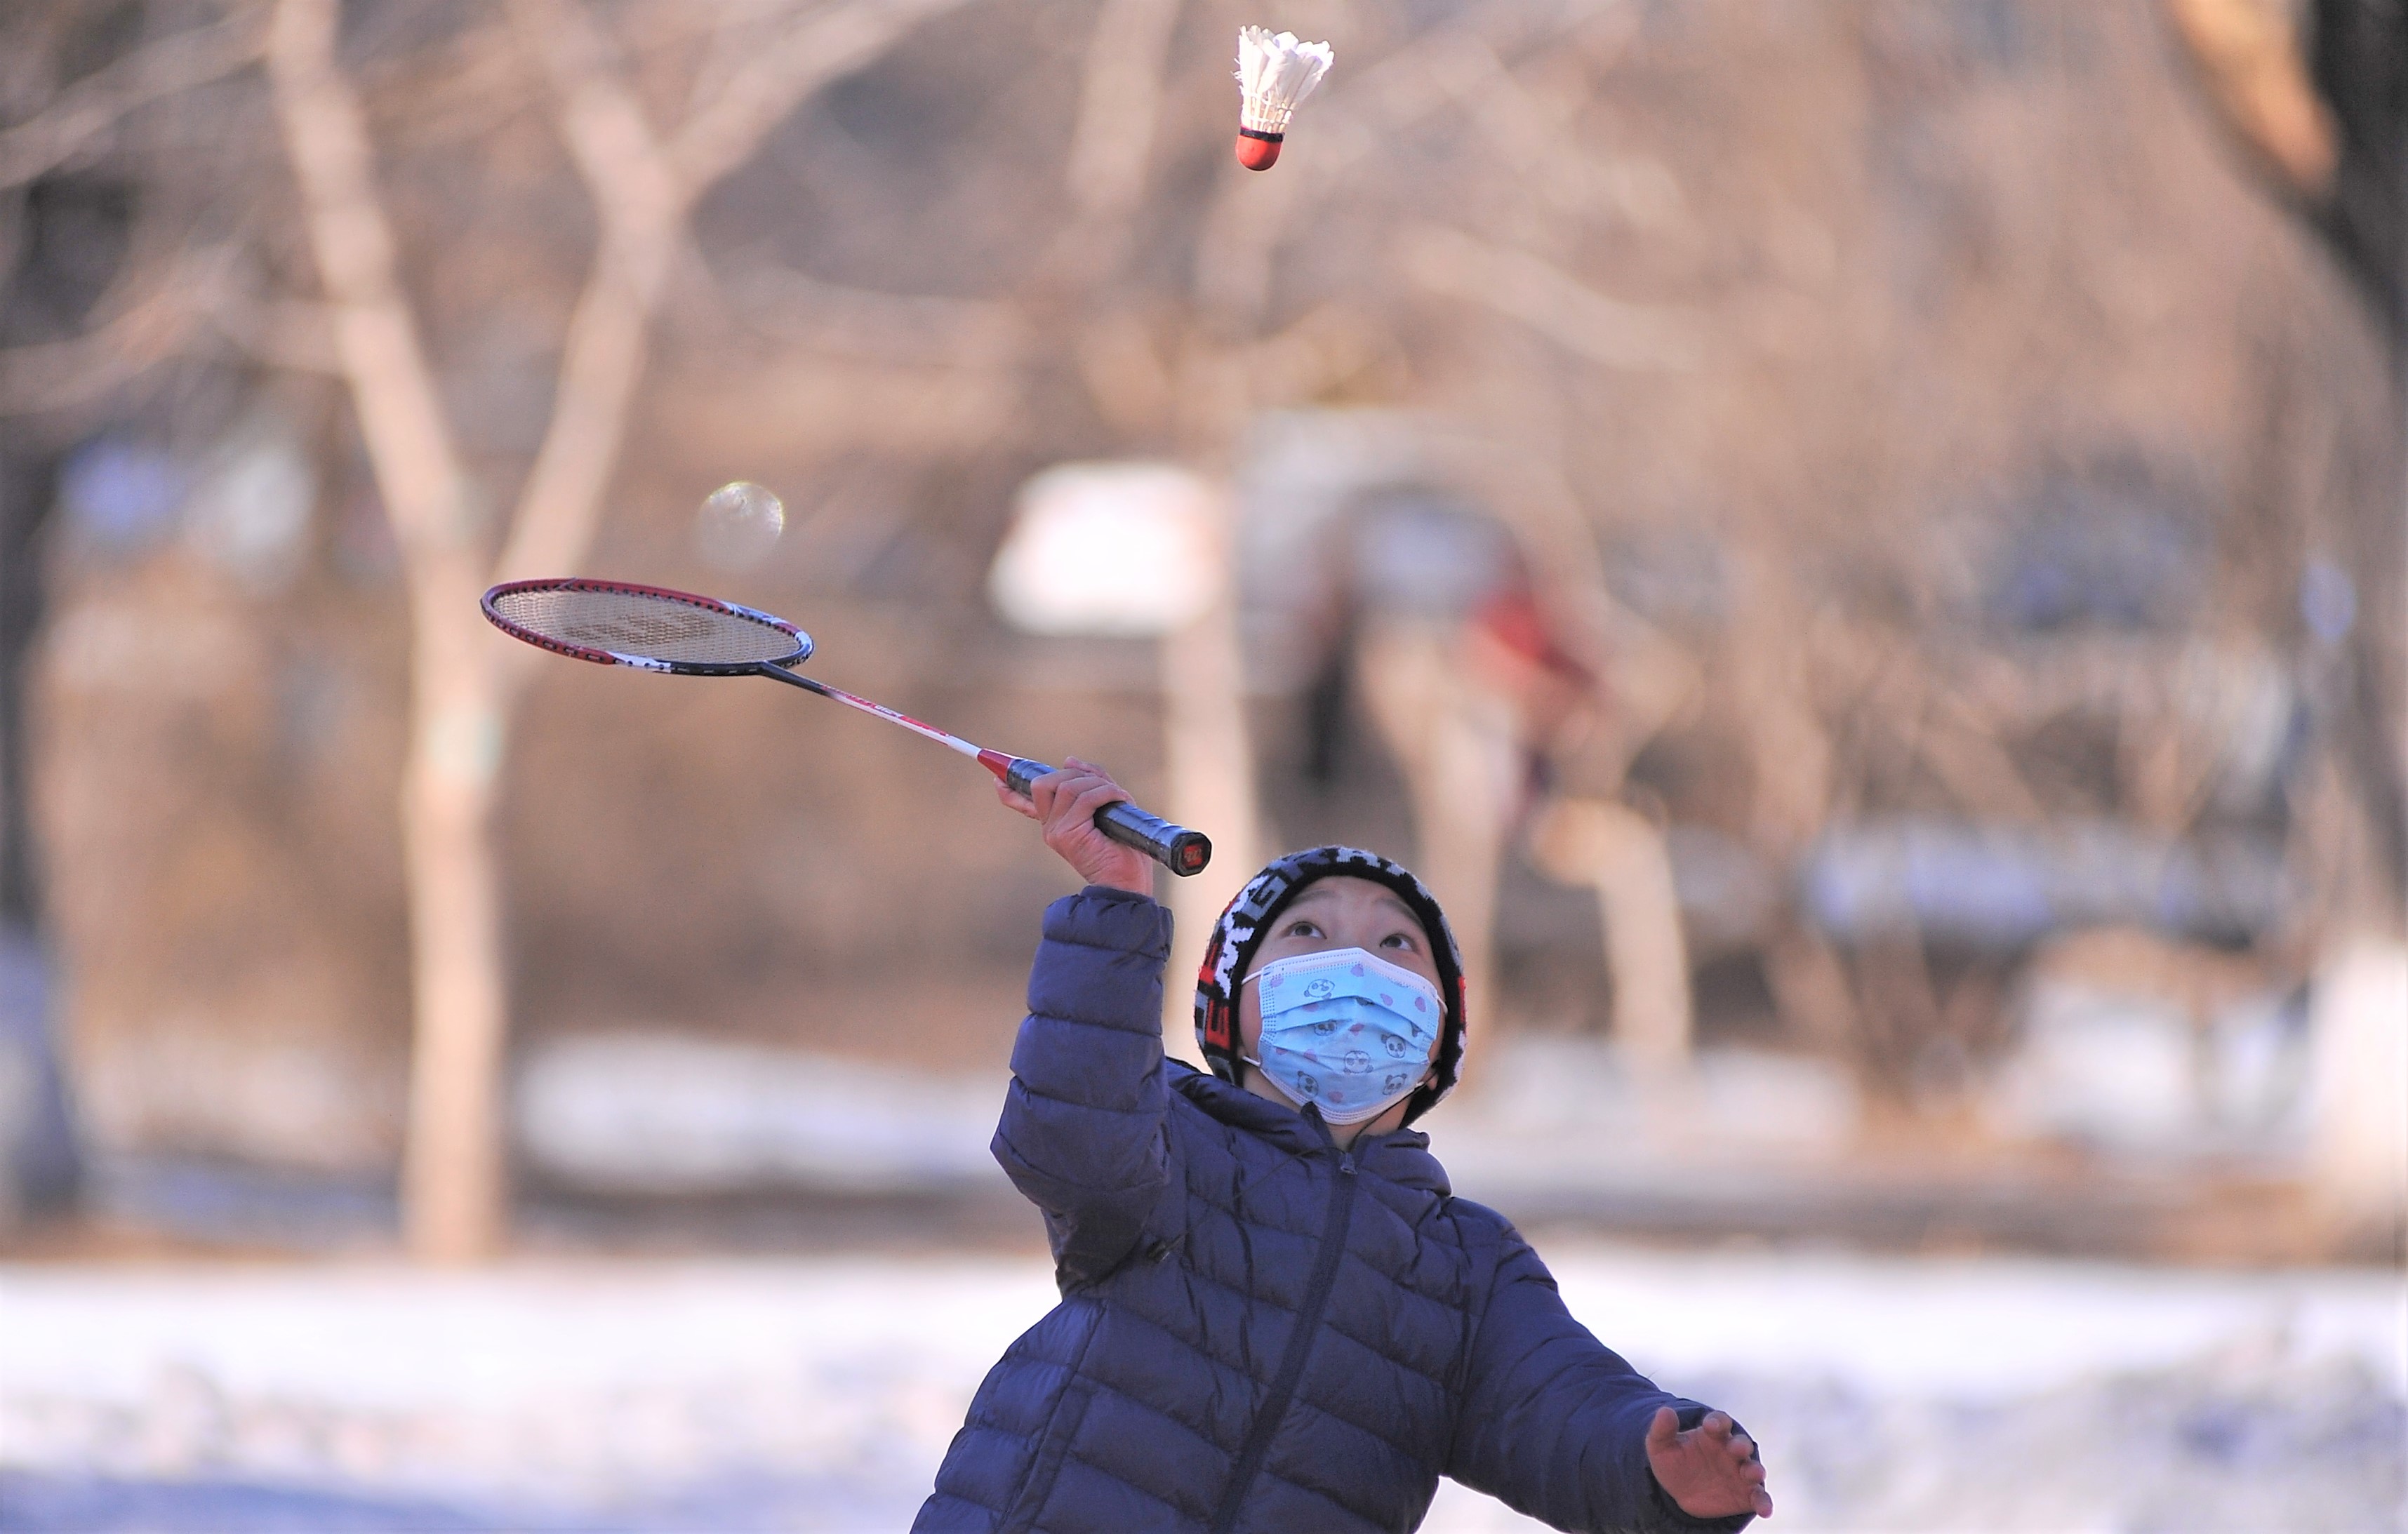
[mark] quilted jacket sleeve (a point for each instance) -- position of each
(1555, 1422)
(1083, 1131)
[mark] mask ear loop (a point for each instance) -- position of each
(1236, 1052)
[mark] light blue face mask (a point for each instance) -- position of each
(1345, 1030)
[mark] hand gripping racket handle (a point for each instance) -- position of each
(1182, 851)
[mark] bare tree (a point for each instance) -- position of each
(463, 682)
(1619, 309)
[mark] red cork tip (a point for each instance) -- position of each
(1257, 153)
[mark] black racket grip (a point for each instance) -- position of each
(1182, 851)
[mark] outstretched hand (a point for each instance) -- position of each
(1065, 802)
(1710, 1470)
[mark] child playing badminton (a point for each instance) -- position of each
(1274, 1315)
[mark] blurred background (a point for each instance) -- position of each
(1861, 548)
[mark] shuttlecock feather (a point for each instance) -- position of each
(1274, 73)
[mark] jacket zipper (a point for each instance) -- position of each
(1299, 1343)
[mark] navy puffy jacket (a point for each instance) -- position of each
(1257, 1331)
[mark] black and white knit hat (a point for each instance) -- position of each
(1230, 952)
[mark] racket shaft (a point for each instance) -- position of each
(1183, 852)
(839, 694)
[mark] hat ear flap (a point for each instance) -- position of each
(1446, 1066)
(1213, 1037)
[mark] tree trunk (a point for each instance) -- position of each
(1210, 751)
(454, 1191)
(451, 1173)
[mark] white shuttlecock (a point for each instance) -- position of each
(1274, 73)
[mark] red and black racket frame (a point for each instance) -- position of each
(1183, 852)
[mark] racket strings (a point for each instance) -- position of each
(661, 628)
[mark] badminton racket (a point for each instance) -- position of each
(652, 629)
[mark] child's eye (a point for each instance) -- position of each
(1302, 929)
(1396, 939)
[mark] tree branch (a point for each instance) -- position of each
(293, 334)
(326, 133)
(788, 306)
(644, 190)
(2246, 54)
(1628, 338)
(95, 104)
(1120, 102)
(58, 374)
(642, 204)
(731, 125)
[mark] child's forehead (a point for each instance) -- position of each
(1345, 888)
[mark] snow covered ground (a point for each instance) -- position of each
(1889, 1393)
